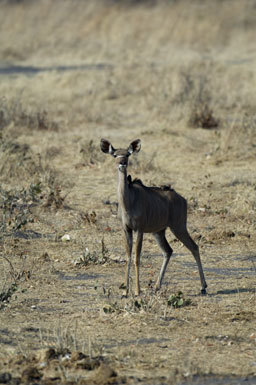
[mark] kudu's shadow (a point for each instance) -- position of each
(237, 290)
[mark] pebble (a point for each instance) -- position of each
(65, 238)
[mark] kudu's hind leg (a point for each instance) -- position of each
(187, 241)
(167, 252)
(128, 244)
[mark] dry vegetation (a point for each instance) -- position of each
(179, 75)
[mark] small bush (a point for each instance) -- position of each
(15, 206)
(91, 153)
(202, 116)
(17, 160)
(13, 112)
(89, 217)
(54, 199)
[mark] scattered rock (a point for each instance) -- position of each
(65, 238)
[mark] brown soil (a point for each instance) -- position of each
(180, 76)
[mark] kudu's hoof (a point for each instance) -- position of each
(203, 292)
(156, 288)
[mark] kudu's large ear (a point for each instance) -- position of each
(134, 146)
(106, 147)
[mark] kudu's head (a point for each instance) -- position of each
(121, 155)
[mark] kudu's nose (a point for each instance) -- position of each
(122, 164)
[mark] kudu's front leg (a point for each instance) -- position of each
(137, 261)
(128, 244)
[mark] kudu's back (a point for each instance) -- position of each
(154, 208)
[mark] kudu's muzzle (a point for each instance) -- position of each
(122, 163)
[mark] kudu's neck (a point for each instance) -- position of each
(123, 190)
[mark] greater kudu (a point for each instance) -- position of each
(149, 210)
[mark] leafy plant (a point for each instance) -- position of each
(140, 304)
(94, 257)
(34, 190)
(8, 289)
(6, 294)
(178, 300)
(112, 308)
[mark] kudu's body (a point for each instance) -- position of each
(149, 210)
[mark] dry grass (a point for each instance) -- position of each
(125, 70)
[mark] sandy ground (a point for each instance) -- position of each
(179, 75)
